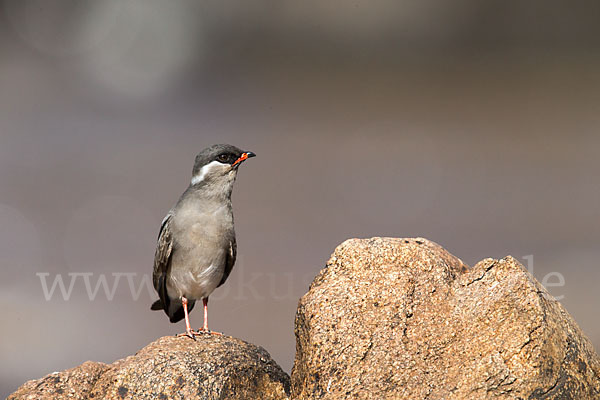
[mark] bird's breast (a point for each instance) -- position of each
(201, 242)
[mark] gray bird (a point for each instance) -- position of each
(196, 246)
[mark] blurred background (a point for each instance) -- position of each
(475, 124)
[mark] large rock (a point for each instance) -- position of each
(213, 367)
(75, 383)
(403, 318)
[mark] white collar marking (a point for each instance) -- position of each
(205, 170)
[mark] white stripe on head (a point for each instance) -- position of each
(210, 167)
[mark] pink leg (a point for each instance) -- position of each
(205, 326)
(188, 329)
(205, 302)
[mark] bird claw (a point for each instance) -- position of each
(190, 334)
(203, 331)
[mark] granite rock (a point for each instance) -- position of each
(403, 318)
(212, 367)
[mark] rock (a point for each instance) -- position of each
(212, 367)
(75, 383)
(403, 318)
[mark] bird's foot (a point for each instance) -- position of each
(190, 333)
(206, 331)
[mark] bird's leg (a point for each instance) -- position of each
(188, 329)
(204, 328)
(205, 303)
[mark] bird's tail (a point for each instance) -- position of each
(178, 315)
(175, 312)
(157, 305)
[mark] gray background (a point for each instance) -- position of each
(474, 124)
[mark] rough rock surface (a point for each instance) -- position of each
(403, 318)
(75, 383)
(213, 367)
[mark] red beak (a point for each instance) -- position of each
(243, 157)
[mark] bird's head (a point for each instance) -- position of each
(218, 164)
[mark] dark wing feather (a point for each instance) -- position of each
(229, 261)
(162, 261)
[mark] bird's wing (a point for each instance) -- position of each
(162, 261)
(231, 254)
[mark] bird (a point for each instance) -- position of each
(196, 246)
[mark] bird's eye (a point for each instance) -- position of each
(223, 157)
